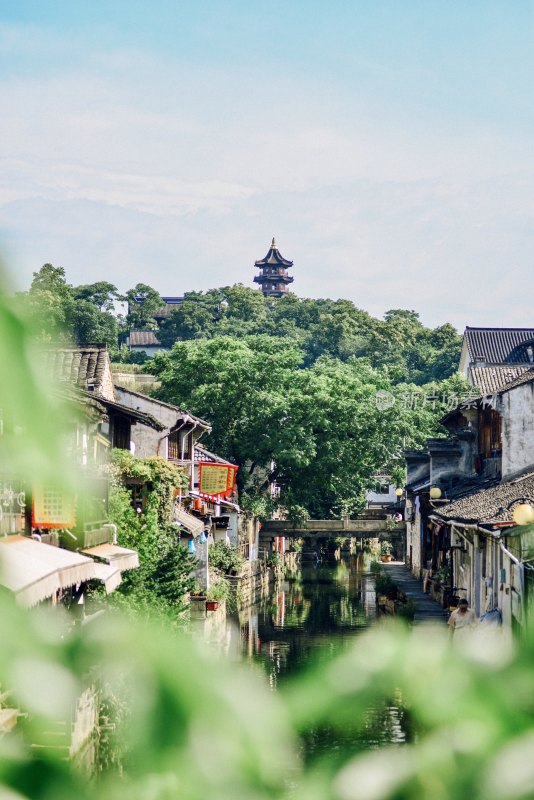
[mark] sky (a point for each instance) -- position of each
(387, 144)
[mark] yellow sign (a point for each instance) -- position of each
(52, 508)
(213, 479)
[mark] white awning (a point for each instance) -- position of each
(119, 557)
(34, 571)
(193, 524)
(109, 575)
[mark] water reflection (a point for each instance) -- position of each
(309, 618)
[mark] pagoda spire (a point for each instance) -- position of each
(273, 278)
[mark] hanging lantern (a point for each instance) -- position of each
(523, 514)
(435, 493)
(202, 538)
(191, 547)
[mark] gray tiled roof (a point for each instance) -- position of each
(497, 345)
(202, 454)
(201, 423)
(143, 339)
(526, 377)
(82, 366)
(171, 304)
(488, 505)
(491, 379)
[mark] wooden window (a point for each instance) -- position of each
(121, 433)
(180, 446)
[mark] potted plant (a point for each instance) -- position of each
(197, 593)
(386, 549)
(217, 593)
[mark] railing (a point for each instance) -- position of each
(351, 527)
(95, 533)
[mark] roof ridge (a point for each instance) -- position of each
(493, 328)
(161, 402)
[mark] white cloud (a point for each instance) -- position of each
(135, 167)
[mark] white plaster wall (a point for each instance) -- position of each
(108, 390)
(517, 407)
(413, 537)
(464, 364)
(148, 442)
(377, 497)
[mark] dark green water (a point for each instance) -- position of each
(310, 619)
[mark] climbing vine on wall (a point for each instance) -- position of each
(165, 572)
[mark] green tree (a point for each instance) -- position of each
(243, 387)
(88, 325)
(318, 432)
(143, 302)
(195, 318)
(165, 574)
(101, 294)
(62, 313)
(50, 303)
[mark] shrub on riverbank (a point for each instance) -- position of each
(226, 559)
(384, 585)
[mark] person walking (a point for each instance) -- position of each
(462, 620)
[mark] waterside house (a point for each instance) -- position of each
(461, 494)
(54, 544)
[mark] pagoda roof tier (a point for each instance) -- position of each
(273, 279)
(273, 258)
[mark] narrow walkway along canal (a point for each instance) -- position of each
(308, 619)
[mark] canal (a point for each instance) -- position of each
(309, 618)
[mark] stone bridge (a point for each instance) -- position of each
(362, 528)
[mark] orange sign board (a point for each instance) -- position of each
(216, 480)
(52, 508)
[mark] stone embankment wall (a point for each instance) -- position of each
(253, 583)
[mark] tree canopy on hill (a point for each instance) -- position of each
(289, 385)
(59, 311)
(336, 328)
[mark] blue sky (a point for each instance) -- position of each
(386, 144)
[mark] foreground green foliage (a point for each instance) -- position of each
(201, 727)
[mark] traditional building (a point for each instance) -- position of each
(461, 495)
(273, 278)
(491, 357)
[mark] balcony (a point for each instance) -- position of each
(93, 534)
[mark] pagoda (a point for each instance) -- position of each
(273, 277)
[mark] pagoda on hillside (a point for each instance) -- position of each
(273, 277)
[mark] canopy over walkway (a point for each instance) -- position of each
(362, 528)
